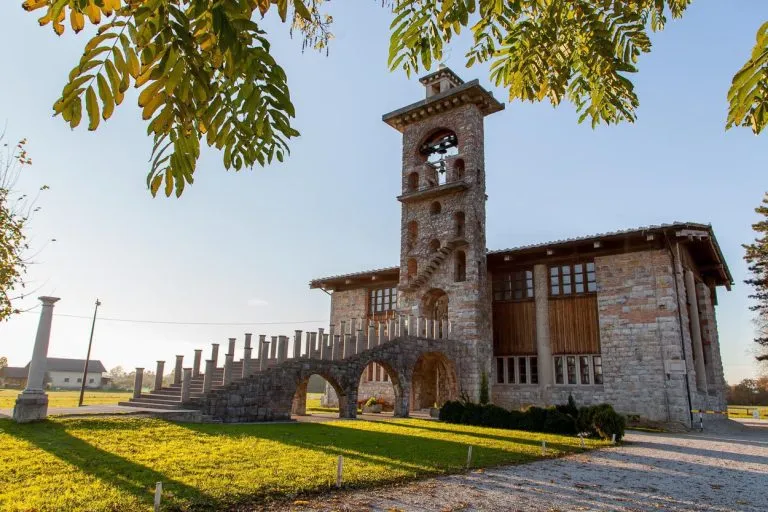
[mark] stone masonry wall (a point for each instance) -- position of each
(640, 335)
(348, 304)
(715, 377)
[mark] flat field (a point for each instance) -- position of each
(113, 463)
(746, 411)
(68, 398)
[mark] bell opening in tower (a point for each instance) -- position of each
(437, 149)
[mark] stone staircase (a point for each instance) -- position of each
(436, 262)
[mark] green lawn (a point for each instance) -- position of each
(112, 463)
(67, 398)
(745, 411)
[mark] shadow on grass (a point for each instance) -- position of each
(129, 477)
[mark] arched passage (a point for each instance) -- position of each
(393, 383)
(434, 306)
(434, 381)
(299, 404)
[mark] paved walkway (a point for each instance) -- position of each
(99, 410)
(719, 470)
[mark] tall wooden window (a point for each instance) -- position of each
(517, 285)
(572, 279)
(381, 300)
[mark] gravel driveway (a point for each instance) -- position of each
(713, 471)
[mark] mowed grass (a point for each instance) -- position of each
(746, 411)
(314, 405)
(112, 463)
(68, 398)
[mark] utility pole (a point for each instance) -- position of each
(88, 357)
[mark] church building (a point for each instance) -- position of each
(626, 317)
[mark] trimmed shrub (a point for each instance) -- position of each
(607, 422)
(558, 423)
(515, 420)
(451, 412)
(472, 414)
(495, 416)
(533, 419)
(570, 408)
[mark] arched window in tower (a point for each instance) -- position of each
(435, 208)
(460, 270)
(434, 245)
(458, 170)
(412, 233)
(413, 182)
(436, 148)
(458, 221)
(412, 269)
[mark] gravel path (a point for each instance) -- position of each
(713, 471)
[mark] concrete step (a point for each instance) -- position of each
(152, 405)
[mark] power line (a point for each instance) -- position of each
(166, 322)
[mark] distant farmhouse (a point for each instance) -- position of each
(61, 373)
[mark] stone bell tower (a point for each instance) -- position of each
(443, 268)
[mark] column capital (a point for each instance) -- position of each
(48, 301)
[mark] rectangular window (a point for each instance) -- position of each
(511, 370)
(382, 300)
(90, 381)
(521, 370)
(584, 369)
(597, 362)
(559, 376)
(370, 372)
(66, 379)
(571, 367)
(500, 370)
(572, 279)
(79, 380)
(516, 285)
(534, 370)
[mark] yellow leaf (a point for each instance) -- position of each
(153, 104)
(92, 107)
(32, 5)
(150, 92)
(77, 20)
(94, 13)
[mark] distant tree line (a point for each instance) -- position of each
(749, 392)
(120, 379)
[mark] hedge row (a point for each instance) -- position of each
(597, 421)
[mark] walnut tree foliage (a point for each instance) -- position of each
(757, 260)
(205, 71)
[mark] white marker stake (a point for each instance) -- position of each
(158, 494)
(581, 438)
(613, 438)
(469, 457)
(543, 447)
(339, 470)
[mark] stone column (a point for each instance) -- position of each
(446, 329)
(328, 349)
(177, 372)
(32, 403)
(282, 348)
(331, 334)
(215, 354)
(138, 382)
(380, 338)
(372, 336)
(348, 350)
(360, 345)
(208, 375)
(419, 326)
(196, 365)
(186, 384)
(323, 348)
(231, 350)
(320, 334)
(338, 348)
(312, 345)
(543, 344)
(248, 340)
(262, 340)
(264, 356)
(159, 375)
(297, 344)
(698, 346)
(401, 326)
(430, 329)
(246, 362)
(227, 377)
(343, 331)
(391, 329)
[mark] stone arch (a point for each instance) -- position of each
(299, 397)
(438, 139)
(434, 381)
(396, 378)
(434, 305)
(413, 182)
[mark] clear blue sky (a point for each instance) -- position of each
(242, 247)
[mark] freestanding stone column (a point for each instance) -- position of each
(372, 336)
(328, 350)
(196, 365)
(698, 346)
(264, 356)
(247, 361)
(32, 403)
(338, 348)
(262, 340)
(313, 345)
(391, 329)
(380, 338)
(297, 344)
(543, 343)
(282, 348)
(348, 350)
(323, 349)
(232, 342)
(227, 377)
(177, 372)
(273, 348)
(215, 354)
(430, 329)
(159, 375)
(320, 334)
(138, 382)
(360, 345)
(186, 385)
(248, 340)
(208, 375)
(401, 326)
